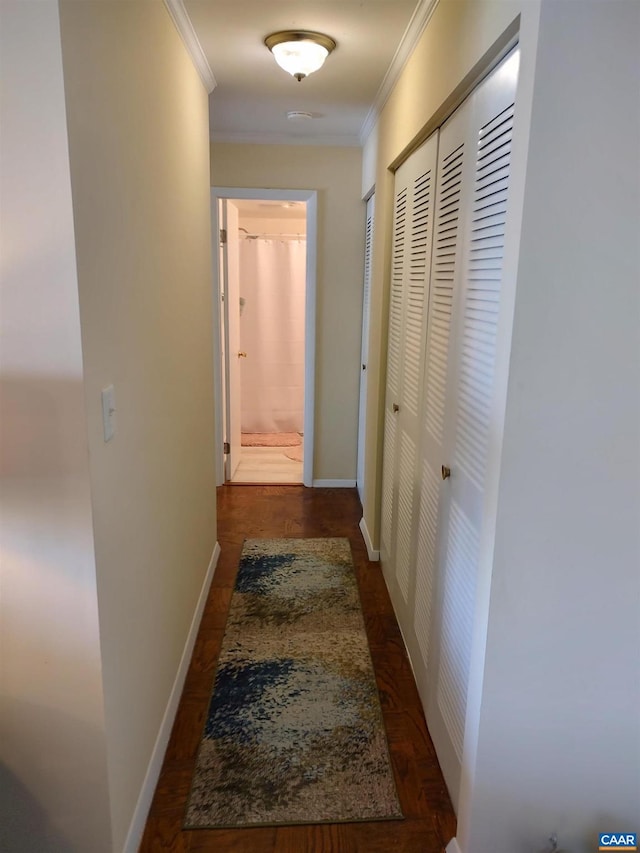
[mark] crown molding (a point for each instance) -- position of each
(181, 19)
(249, 138)
(416, 27)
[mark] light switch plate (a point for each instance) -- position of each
(108, 412)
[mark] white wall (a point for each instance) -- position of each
(139, 143)
(53, 774)
(559, 733)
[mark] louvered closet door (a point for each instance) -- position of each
(445, 262)
(394, 360)
(468, 423)
(413, 230)
(364, 347)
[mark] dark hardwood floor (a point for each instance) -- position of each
(275, 511)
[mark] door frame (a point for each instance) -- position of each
(263, 194)
(370, 207)
(229, 267)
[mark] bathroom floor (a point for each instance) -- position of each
(261, 465)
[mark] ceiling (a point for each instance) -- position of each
(253, 94)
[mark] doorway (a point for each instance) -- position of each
(264, 278)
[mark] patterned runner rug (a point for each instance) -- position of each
(294, 732)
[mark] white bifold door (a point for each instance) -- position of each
(412, 243)
(435, 461)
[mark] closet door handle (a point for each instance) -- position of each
(242, 355)
(396, 407)
(446, 472)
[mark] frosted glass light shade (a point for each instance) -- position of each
(300, 53)
(300, 57)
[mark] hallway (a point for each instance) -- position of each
(272, 511)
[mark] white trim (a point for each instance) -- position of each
(363, 391)
(310, 340)
(333, 484)
(141, 811)
(453, 846)
(311, 199)
(256, 138)
(181, 19)
(374, 555)
(218, 362)
(370, 192)
(406, 647)
(416, 27)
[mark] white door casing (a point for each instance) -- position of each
(364, 350)
(231, 308)
(309, 197)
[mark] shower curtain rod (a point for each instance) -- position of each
(248, 236)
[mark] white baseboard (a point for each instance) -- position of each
(453, 846)
(374, 555)
(141, 812)
(334, 484)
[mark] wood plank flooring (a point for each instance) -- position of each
(274, 511)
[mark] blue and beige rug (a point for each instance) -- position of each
(294, 732)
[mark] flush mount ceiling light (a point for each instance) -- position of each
(299, 52)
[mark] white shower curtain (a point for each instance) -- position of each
(272, 291)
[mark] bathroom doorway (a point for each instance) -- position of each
(266, 308)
